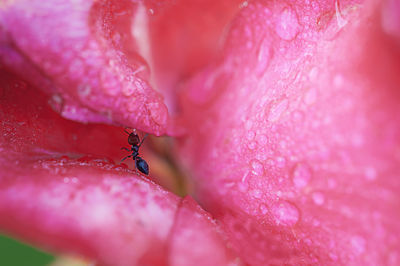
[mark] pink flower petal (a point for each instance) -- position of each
(88, 206)
(294, 135)
(76, 51)
(197, 240)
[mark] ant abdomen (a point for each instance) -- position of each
(142, 165)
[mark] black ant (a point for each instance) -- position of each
(134, 140)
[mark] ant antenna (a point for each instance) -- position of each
(145, 135)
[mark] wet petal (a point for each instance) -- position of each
(84, 204)
(85, 55)
(294, 135)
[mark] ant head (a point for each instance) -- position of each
(133, 139)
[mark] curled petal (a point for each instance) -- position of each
(78, 52)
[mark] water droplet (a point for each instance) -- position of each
(263, 209)
(256, 193)
(280, 162)
(243, 4)
(248, 125)
(341, 22)
(158, 112)
(332, 183)
(310, 96)
(127, 89)
(263, 57)
(243, 186)
(257, 168)
(313, 74)
(370, 173)
(323, 20)
(358, 243)
(285, 213)
(326, 21)
(297, 116)
(301, 175)
(251, 135)
(333, 256)
(338, 81)
(262, 140)
(277, 110)
(252, 145)
(287, 26)
(390, 17)
(66, 180)
(318, 198)
(84, 90)
(56, 102)
(110, 82)
(76, 68)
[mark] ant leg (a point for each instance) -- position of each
(140, 144)
(126, 131)
(126, 158)
(126, 149)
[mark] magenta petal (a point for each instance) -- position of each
(102, 215)
(197, 240)
(294, 135)
(110, 216)
(76, 51)
(87, 206)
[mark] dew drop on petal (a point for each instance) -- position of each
(158, 113)
(301, 175)
(313, 74)
(280, 162)
(263, 57)
(297, 116)
(370, 173)
(341, 22)
(248, 125)
(333, 256)
(84, 90)
(338, 81)
(127, 89)
(310, 96)
(257, 168)
(76, 67)
(243, 186)
(287, 26)
(263, 209)
(251, 135)
(56, 102)
(252, 145)
(318, 198)
(332, 183)
(110, 83)
(277, 110)
(262, 140)
(285, 213)
(256, 193)
(390, 17)
(244, 4)
(358, 243)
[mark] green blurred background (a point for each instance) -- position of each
(16, 253)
